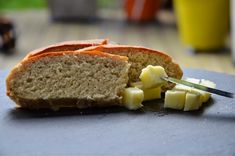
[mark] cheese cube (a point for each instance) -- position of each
(152, 93)
(192, 101)
(133, 98)
(149, 93)
(190, 90)
(182, 88)
(193, 98)
(200, 93)
(151, 76)
(174, 99)
(205, 95)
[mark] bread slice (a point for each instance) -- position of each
(140, 57)
(69, 79)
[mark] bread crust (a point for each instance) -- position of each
(117, 48)
(90, 52)
(67, 46)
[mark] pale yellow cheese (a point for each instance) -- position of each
(152, 93)
(174, 99)
(182, 88)
(192, 101)
(133, 98)
(205, 96)
(149, 93)
(193, 98)
(151, 76)
(200, 93)
(190, 90)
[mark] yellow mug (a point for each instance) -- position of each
(203, 24)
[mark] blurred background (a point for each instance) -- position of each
(196, 33)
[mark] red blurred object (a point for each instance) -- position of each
(142, 10)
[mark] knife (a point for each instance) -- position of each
(200, 87)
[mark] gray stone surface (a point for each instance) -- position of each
(116, 131)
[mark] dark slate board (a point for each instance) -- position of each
(116, 131)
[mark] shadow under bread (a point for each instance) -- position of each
(20, 113)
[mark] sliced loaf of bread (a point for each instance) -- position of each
(82, 74)
(69, 79)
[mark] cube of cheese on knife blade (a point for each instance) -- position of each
(205, 95)
(151, 76)
(133, 98)
(193, 97)
(207, 83)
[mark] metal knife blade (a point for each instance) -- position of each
(200, 87)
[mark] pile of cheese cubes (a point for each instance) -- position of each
(149, 88)
(186, 98)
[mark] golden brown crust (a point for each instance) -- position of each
(115, 48)
(92, 52)
(67, 46)
(102, 54)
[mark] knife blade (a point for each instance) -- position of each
(200, 87)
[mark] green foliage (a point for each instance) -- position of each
(22, 4)
(38, 4)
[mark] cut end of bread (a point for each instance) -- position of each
(77, 79)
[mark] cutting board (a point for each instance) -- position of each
(117, 131)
